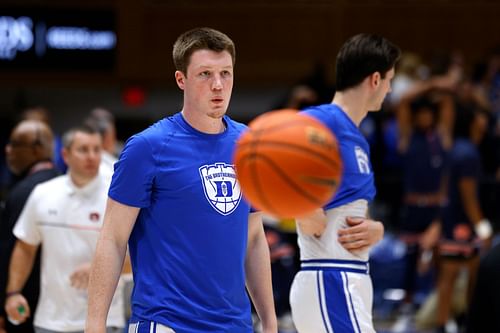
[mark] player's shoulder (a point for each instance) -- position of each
(234, 125)
(158, 129)
(329, 114)
(323, 111)
(26, 185)
(464, 149)
(318, 109)
(51, 187)
(153, 136)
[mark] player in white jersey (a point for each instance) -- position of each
(332, 293)
(64, 214)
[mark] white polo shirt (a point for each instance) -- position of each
(66, 220)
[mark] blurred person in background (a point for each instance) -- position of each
(464, 228)
(29, 158)
(65, 216)
(42, 114)
(425, 121)
(104, 121)
(410, 70)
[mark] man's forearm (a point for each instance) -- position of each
(21, 264)
(259, 283)
(104, 275)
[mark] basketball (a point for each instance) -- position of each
(287, 164)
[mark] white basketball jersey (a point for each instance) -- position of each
(327, 246)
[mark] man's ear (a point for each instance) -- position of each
(180, 79)
(64, 154)
(375, 79)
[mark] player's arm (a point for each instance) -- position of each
(403, 117)
(258, 274)
(111, 249)
(468, 192)
(313, 224)
(361, 234)
(21, 264)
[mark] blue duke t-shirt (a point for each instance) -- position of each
(189, 242)
(357, 177)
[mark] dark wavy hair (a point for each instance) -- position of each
(363, 55)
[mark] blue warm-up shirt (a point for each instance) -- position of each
(357, 177)
(189, 242)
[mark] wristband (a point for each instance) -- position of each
(12, 293)
(483, 229)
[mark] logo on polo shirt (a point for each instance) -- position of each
(221, 188)
(94, 216)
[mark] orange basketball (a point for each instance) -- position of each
(288, 164)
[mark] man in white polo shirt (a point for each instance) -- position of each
(65, 215)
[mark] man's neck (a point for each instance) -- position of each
(352, 103)
(204, 123)
(39, 166)
(79, 181)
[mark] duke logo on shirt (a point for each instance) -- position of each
(221, 188)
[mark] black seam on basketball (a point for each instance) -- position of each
(290, 146)
(320, 181)
(280, 173)
(253, 170)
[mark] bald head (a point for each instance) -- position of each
(31, 141)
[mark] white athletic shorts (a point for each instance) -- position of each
(332, 296)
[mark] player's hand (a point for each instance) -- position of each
(313, 224)
(80, 277)
(17, 309)
(361, 234)
(430, 236)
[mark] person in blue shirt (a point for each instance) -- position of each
(194, 242)
(333, 292)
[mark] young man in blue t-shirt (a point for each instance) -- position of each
(194, 242)
(332, 292)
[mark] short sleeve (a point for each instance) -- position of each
(26, 228)
(469, 166)
(133, 177)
